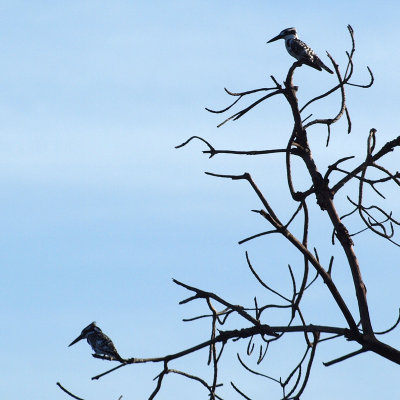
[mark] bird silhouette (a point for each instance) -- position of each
(100, 343)
(299, 50)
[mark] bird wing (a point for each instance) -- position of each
(305, 54)
(102, 344)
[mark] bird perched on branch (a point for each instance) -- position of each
(299, 50)
(101, 343)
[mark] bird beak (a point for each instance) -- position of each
(275, 38)
(80, 337)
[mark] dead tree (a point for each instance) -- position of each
(324, 187)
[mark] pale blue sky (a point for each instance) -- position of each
(99, 211)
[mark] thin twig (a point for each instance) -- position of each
(68, 392)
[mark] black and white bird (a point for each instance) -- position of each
(101, 343)
(299, 50)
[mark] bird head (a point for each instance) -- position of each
(90, 329)
(285, 34)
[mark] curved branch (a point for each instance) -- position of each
(240, 392)
(240, 95)
(211, 151)
(240, 113)
(330, 121)
(368, 85)
(68, 392)
(391, 328)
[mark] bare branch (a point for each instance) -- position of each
(238, 309)
(330, 121)
(159, 381)
(345, 357)
(387, 148)
(310, 363)
(368, 85)
(391, 328)
(240, 95)
(68, 392)
(240, 392)
(196, 378)
(249, 152)
(261, 281)
(240, 114)
(257, 235)
(255, 372)
(211, 151)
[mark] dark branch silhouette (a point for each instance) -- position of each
(68, 392)
(256, 327)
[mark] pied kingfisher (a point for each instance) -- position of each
(299, 50)
(101, 343)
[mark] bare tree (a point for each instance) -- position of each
(324, 187)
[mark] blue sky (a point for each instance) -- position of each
(99, 211)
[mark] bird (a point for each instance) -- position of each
(100, 343)
(299, 50)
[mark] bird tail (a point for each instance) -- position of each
(118, 358)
